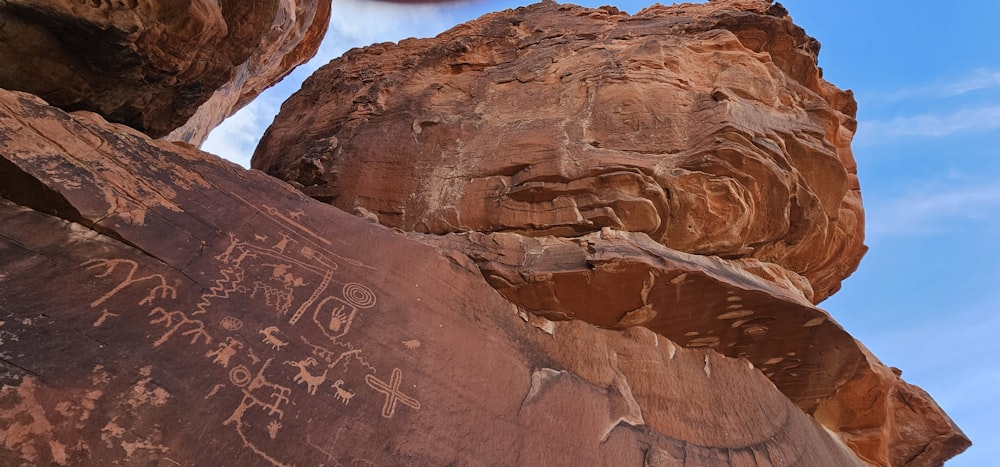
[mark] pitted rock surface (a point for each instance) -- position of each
(706, 127)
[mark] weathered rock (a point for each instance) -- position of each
(685, 169)
(293, 39)
(620, 280)
(162, 305)
(152, 64)
(706, 127)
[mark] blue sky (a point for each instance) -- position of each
(927, 79)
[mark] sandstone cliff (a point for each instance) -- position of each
(603, 240)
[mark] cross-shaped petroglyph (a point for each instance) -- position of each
(392, 393)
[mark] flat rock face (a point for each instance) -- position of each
(706, 127)
(159, 304)
(152, 64)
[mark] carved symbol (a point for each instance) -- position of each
(312, 381)
(109, 266)
(225, 352)
(270, 338)
(278, 217)
(342, 394)
(283, 243)
(215, 390)
(253, 357)
(105, 314)
(229, 282)
(335, 321)
(231, 323)
(240, 375)
(169, 317)
(312, 298)
(359, 295)
(392, 393)
(272, 429)
(296, 215)
(412, 344)
(280, 396)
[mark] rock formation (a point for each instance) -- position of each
(708, 130)
(285, 332)
(534, 297)
(153, 65)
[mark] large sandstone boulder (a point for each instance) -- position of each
(706, 127)
(152, 65)
(163, 306)
(685, 169)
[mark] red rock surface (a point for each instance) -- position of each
(163, 306)
(153, 64)
(706, 127)
(292, 39)
(610, 233)
(685, 169)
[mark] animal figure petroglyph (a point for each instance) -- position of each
(312, 381)
(270, 338)
(342, 394)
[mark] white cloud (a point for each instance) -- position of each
(873, 132)
(354, 23)
(932, 211)
(236, 138)
(978, 80)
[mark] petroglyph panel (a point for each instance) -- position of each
(303, 350)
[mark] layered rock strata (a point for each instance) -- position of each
(706, 127)
(153, 65)
(163, 306)
(685, 169)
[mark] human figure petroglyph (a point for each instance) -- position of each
(175, 320)
(344, 395)
(312, 381)
(110, 265)
(269, 337)
(392, 393)
(225, 352)
(278, 395)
